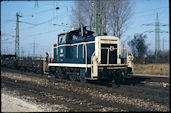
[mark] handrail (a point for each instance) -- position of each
(85, 55)
(127, 51)
(92, 61)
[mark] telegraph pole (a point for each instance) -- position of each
(17, 49)
(163, 44)
(22, 52)
(34, 49)
(34, 46)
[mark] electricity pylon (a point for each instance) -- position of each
(157, 33)
(17, 49)
(97, 20)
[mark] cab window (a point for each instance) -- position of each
(62, 39)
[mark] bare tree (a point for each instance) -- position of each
(138, 46)
(113, 15)
(104, 13)
(120, 13)
(82, 14)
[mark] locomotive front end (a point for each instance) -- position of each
(106, 60)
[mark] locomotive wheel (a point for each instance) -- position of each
(82, 79)
(60, 76)
(72, 77)
(121, 79)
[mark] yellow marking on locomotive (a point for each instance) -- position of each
(116, 67)
(100, 67)
(112, 67)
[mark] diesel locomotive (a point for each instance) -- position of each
(80, 56)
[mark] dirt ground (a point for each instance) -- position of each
(11, 103)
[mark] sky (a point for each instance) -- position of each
(41, 23)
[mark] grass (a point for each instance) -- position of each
(162, 69)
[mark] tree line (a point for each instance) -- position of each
(142, 54)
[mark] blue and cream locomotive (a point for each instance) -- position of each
(78, 55)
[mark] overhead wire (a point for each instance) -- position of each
(46, 32)
(43, 11)
(44, 22)
(35, 25)
(41, 33)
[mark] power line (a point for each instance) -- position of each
(150, 31)
(41, 33)
(40, 12)
(25, 22)
(34, 49)
(8, 33)
(28, 23)
(44, 22)
(64, 25)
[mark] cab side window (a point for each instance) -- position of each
(62, 39)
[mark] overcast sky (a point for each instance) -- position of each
(38, 19)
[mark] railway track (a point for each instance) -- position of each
(135, 80)
(75, 102)
(153, 78)
(92, 97)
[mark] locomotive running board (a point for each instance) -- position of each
(70, 65)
